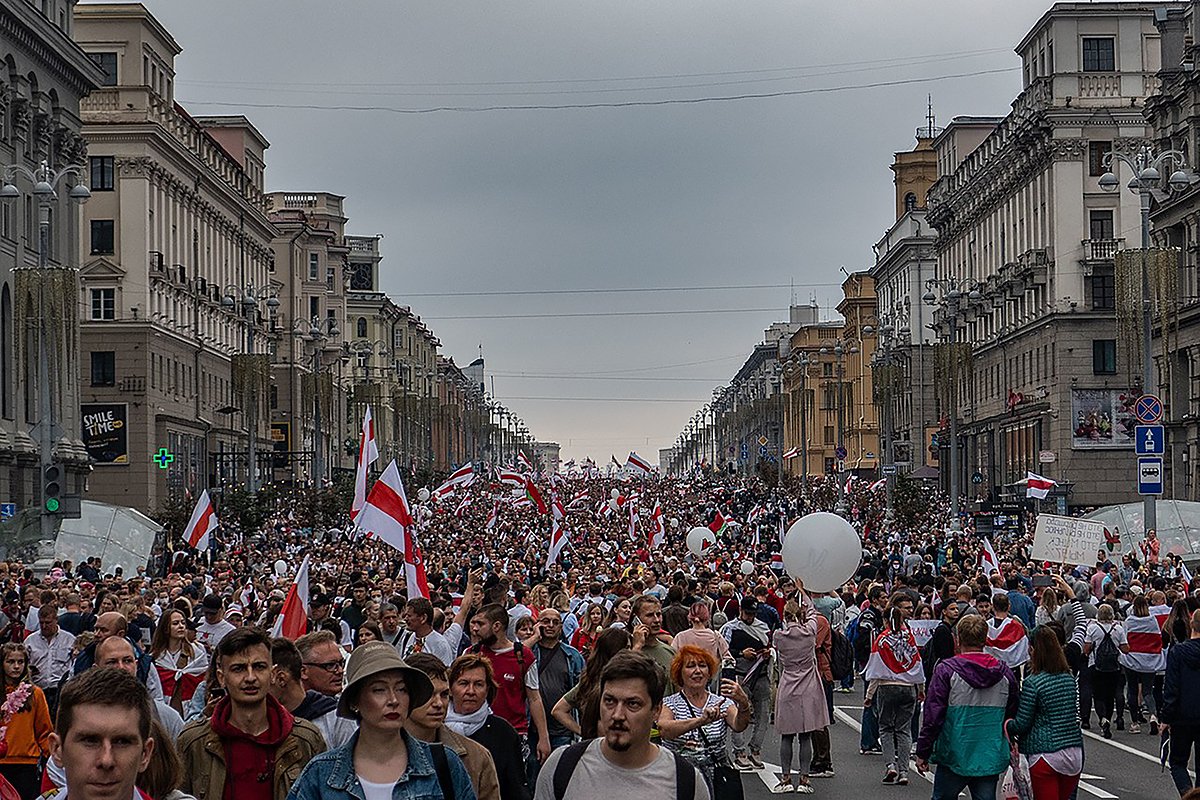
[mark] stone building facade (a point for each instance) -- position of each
(1022, 220)
(176, 235)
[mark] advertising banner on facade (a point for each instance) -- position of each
(1102, 418)
(105, 432)
(1067, 540)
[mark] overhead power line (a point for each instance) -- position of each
(613, 378)
(613, 104)
(572, 314)
(619, 290)
(607, 399)
(893, 61)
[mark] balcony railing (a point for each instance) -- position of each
(1101, 249)
(1099, 84)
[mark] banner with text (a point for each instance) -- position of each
(1067, 540)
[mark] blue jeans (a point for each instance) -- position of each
(870, 725)
(947, 784)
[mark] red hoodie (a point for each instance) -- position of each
(250, 760)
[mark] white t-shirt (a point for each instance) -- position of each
(597, 778)
(375, 791)
(210, 635)
(1095, 635)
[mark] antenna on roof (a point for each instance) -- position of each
(793, 283)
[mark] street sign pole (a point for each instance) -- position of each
(1150, 438)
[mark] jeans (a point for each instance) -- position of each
(1105, 687)
(1145, 681)
(895, 710)
(1184, 739)
(752, 737)
(870, 726)
(947, 784)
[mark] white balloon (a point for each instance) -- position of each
(674, 522)
(700, 540)
(281, 567)
(613, 505)
(747, 567)
(423, 495)
(614, 494)
(823, 550)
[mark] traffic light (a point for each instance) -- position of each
(52, 489)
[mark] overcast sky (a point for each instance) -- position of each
(776, 190)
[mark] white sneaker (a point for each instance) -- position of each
(783, 787)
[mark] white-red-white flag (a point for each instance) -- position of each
(462, 507)
(292, 622)
(388, 516)
(494, 516)
(987, 558)
(1038, 486)
(512, 478)
(523, 461)
(461, 477)
(638, 464)
(792, 453)
(198, 533)
(658, 531)
(368, 454)
(558, 534)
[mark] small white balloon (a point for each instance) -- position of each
(423, 495)
(823, 550)
(281, 567)
(747, 567)
(613, 505)
(675, 522)
(614, 494)
(700, 540)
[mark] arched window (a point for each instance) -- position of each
(361, 331)
(910, 202)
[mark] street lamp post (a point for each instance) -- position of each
(951, 300)
(248, 307)
(317, 335)
(44, 181)
(839, 351)
(887, 356)
(1145, 167)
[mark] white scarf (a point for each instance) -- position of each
(467, 724)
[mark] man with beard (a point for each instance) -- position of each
(623, 762)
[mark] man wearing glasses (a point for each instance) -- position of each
(323, 662)
(559, 666)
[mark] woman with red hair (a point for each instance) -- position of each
(695, 722)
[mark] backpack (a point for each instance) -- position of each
(841, 655)
(1108, 654)
(685, 773)
(859, 638)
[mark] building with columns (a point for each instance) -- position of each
(45, 76)
(1025, 259)
(177, 276)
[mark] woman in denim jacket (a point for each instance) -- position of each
(381, 761)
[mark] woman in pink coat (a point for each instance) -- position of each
(800, 706)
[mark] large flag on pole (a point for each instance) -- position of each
(292, 622)
(388, 516)
(638, 464)
(368, 454)
(558, 536)
(461, 477)
(658, 531)
(792, 453)
(1038, 486)
(987, 558)
(198, 533)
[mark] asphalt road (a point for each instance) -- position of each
(1125, 768)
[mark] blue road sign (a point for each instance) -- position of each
(840, 453)
(8, 510)
(1149, 440)
(1148, 409)
(1150, 476)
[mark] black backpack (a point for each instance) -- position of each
(841, 655)
(685, 773)
(1108, 655)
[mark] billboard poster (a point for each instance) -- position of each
(1102, 418)
(105, 433)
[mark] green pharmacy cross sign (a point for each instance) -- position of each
(163, 458)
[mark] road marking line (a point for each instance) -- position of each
(1133, 751)
(857, 726)
(1096, 791)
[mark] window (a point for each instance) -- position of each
(1099, 54)
(314, 308)
(1104, 356)
(104, 368)
(102, 237)
(314, 267)
(827, 369)
(910, 202)
(104, 303)
(101, 173)
(1097, 151)
(107, 62)
(829, 437)
(1100, 225)
(361, 328)
(1104, 292)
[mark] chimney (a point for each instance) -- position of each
(1173, 29)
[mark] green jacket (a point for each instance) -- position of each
(1048, 715)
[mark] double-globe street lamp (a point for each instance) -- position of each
(894, 336)
(316, 334)
(45, 182)
(246, 301)
(839, 350)
(1145, 166)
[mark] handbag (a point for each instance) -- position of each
(1017, 785)
(727, 781)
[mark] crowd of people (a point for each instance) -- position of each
(626, 663)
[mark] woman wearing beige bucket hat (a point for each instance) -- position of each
(382, 761)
